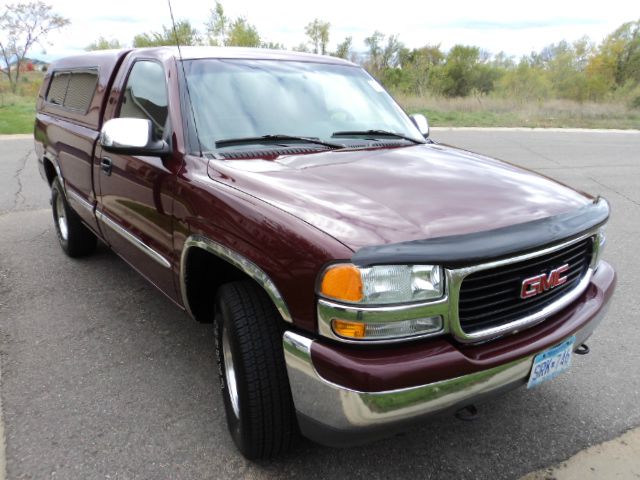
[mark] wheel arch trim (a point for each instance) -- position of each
(56, 166)
(237, 260)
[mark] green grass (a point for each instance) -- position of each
(18, 110)
(16, 114)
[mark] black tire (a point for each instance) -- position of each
(264, 423)
(75, 238)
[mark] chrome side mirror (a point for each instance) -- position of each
(131, 136)
(421, 123)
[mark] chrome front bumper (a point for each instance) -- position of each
(334, 415)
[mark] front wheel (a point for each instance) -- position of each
(75, 238)
(253, 378)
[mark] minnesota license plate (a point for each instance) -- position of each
(551, 363)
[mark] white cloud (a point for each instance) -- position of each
(492, 25)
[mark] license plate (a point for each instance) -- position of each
(551, 363)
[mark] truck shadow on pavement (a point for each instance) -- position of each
(103, 375)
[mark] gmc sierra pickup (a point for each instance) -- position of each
(359, 275)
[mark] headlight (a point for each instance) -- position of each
(382, 302)
(598, 246)
(382, 284)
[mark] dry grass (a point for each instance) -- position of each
(494, 111)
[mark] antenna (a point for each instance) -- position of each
(184, 74)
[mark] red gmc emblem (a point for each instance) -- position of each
(541, 283)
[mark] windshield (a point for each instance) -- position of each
(236, 99)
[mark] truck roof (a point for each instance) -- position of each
(110, 57)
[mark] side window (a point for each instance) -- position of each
(82, 86)
(58, 88)
(145, 95)
(73, 90)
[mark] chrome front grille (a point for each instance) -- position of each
(489, 299)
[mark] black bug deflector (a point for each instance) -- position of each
(458, 250)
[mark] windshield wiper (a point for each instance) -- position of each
(379, 133)
(230, 142)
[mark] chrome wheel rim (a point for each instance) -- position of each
(230, 373)
(61, 217)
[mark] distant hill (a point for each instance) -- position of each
(28, 64)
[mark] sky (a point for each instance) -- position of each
(515, 27)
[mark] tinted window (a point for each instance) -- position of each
(82, 86)
(58, 88)
(145, 95)
(73, 90)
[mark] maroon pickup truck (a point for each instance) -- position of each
(359, 275)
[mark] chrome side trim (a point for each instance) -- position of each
(238, 261)
(143, 247)
(56, 167)
(71, 194)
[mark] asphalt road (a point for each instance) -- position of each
(102, 377)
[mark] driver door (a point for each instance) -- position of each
(135, 193)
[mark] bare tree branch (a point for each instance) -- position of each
(22, 25)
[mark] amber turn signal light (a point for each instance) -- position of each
(342, 282)
(349, 329)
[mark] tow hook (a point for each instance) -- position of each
(467, 414)
(582, 349)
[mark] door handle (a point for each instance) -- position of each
(105, 165)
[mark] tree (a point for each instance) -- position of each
(22, 25)
(564, 64)
(390, 57)
(242, 34)
(502, 60)
(301, 47)
(216, 26)
(186, 35)
(621, 50)
(344, 49)
(525, 82)
(318, 33)
(374, 43)
(103, 44)
(272, 45)
(466, 70)
(238, 32)
(421, 65)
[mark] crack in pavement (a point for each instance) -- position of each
(3, 455)
(532, 151)
(5, 289)
(637, 204)
(22, 163)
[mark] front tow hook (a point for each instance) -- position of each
(582, 349)
(467, 414)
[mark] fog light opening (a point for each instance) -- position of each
(386, 330)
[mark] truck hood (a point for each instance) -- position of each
(390, 195)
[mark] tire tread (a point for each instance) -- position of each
(257, 325)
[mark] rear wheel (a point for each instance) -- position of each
(255, 386)
(75, 238)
